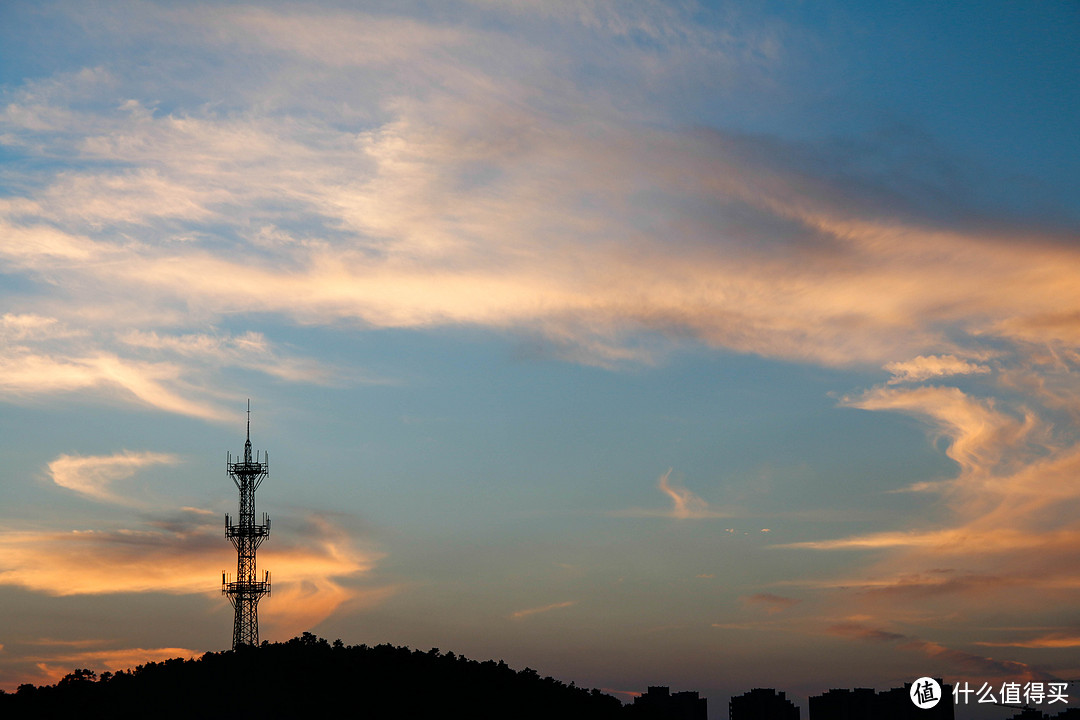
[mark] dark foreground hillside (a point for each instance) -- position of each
(308, 675)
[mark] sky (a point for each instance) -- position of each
(715, 345)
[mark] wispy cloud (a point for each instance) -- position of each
(461, 206)
(397, 236)
(685, 504)
(1053, 640)
(18, 327)
(248, 350)
(932, 366)
(171, 373)
(1014, 476)
(979, 434)
(861, 632)
(1002, 534)
(155, 384)
(959, 660)
(94, 475)
(950, 541)
(519, 614)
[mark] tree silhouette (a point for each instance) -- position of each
(301, 675)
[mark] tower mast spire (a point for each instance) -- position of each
(247, 442)
(245, 592)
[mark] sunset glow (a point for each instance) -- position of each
(711, 344)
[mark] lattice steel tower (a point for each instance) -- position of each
(245, 592)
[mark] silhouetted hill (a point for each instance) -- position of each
(308, 675)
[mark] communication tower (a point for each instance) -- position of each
(245, 592)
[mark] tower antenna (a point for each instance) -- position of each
(245, 592)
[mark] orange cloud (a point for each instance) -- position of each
(960, 540)
(979, 434)
(812, 271)
(53, 667)
(248, 350)
(156, 384)
(1054, 640)
(985, 667)
(1013, 488)
(932, 366)
(1000, 534)
(861, 632)
(18, 327)
(413, 245)
(308, 569)
(39, 245)
(771, 603)
(685, 504)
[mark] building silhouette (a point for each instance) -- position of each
(762, 704)
(660, 703)
(1029, 714)
(866, 704)
(843, 704)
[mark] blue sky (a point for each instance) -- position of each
(714, 345)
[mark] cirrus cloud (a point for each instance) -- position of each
(94, 475)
